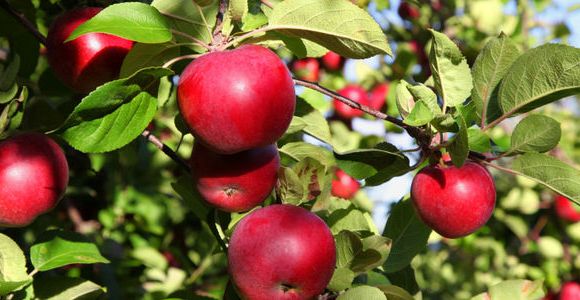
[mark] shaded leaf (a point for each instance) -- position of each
(513, 290)
(66, 288)
(451, 73)
(363, 292)
(538, 77)
(56, 248)
(408, 235)
(490, 66)
(535, 133)
(337, 25)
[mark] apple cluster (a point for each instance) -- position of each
(375, 99)
(237, 104)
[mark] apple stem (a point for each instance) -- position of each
(165, 149)
(22, 19)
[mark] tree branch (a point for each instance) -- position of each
(423, 140)
(22, 19)
(165, 149)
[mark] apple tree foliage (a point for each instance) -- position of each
(132, 225)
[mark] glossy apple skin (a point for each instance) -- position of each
(307, 69)
(453, 201)
(570, 291)
(408, 11)
(281, 246)
(567, 210)
(237, 100)
(354, 92)
(236, 182)
(33, 178)
(378, 96)
(343, 185)
(88, 61)
(332, 61)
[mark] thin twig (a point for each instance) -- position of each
(422, 139)
(165, 149)
(218, 38)
(22, 19)
(244, 36)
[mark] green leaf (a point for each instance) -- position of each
(238, 9)
(56, 248)
(302, 47)
(337, 25)
(189, 17)
(341, 279)
(301, 150)
(316, 124)
(535, 133)
(490, 66)
(8, 75)
(405, 100)
(55, 288)
(550, 172)
(450, 70)
(397, 168)
(420, 115)
(394, 292)
(348, 245)
(405, 278)
(13, 274)
(424, 94)
(363, 292)
(550, 247)
(350, 219)
(513, 290)
(538, 77)
(150, 257)
(478, 140)
(147, 55)
(114, 114)
(363, 163)
(305, 181)
(408, 235)
(131, 20)
(459, 147)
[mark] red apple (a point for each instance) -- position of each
(332, 61)
(354, 92)
(88, 61)
(378, 96)
(343, 185)
(33, 178)
(307, 69)
(454, 201)
(570, 291)
(408, 11)
(281, 252)
(237, 100)
(236, 182)
(567, 210)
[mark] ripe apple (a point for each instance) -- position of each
(88, 61)
(281, 252)
(567, 210)
(236, 182)
(354, 92)
(237, 100)
(33, 178)
(408, 11)
(307, 69)
(454, 201)
(378, 96)
(570, 291)
(344, 186)
(332, 61)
